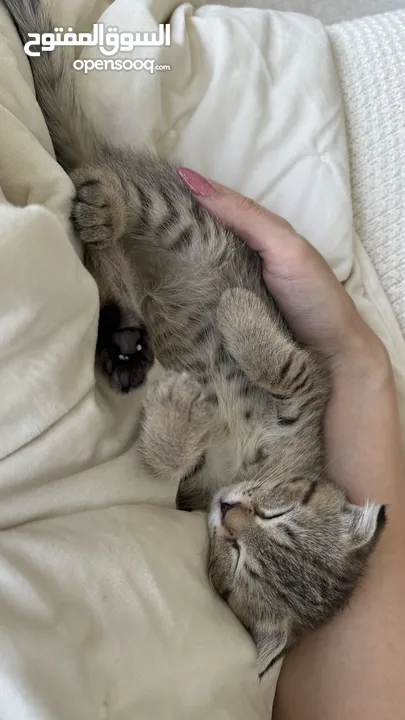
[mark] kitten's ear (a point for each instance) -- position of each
(364, 524)
(271, 647)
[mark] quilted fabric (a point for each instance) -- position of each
(370, 56)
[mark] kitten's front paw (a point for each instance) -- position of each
(98, 212)
(125, 352)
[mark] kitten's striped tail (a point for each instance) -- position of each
(73, 137)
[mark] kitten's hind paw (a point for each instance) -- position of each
(125, 353)
(98, 212)
(177, 421)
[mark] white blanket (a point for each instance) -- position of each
(105, 608)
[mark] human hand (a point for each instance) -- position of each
(317, 308)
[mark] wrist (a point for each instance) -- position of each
(362, 356)
(362, 428)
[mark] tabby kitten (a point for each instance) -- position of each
(236, 422)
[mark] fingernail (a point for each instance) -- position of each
(196, 182)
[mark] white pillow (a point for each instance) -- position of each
(251, 100)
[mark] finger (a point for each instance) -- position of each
(286, 255)
(253, 222)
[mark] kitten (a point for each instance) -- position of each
(237, 419)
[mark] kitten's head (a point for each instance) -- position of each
(286, 557)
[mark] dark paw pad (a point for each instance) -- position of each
(125, 356)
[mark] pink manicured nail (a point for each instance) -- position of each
(196, 182)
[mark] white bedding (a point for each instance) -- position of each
(105, 608)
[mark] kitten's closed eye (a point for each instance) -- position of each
(262, 514)
(272, 516)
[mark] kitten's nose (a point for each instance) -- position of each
(235, 517)
(225, 507)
